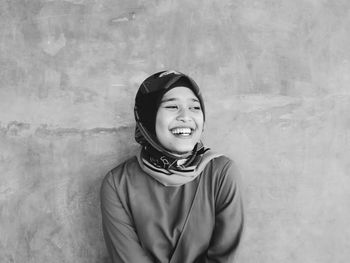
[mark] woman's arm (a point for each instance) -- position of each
(120, 236)
(229, 218)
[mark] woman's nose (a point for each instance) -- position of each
(183, 115)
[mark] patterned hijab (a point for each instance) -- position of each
(154, 159)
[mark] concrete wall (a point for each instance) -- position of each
(275, 76)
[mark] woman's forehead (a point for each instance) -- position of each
(180, 93)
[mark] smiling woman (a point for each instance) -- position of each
(179, 121)
(176, 201)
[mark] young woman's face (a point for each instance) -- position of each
(179, 121)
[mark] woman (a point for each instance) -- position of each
(176, 201)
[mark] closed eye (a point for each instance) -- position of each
(171, 107)
(196, 108)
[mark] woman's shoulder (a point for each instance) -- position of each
(122, 170)
(126, 164)
(222, 175)
(223, 166)
(222, 161)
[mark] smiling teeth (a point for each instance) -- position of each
(185, 131)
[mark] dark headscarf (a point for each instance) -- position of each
(147, 101)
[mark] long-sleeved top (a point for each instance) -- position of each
(198, 222)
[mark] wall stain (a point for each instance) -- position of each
(44, 131)
(15, 128)
(127, 16)
(123, 18)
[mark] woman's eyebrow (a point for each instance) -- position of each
(168, 99)
(175, 99)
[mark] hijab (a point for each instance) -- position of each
(157, 161)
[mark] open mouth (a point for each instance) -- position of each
(182, 131)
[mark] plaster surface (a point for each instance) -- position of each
(275, 77)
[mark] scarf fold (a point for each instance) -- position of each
(171, 174)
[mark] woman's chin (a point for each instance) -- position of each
(182, 150)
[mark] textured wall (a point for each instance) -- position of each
(275, 76)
